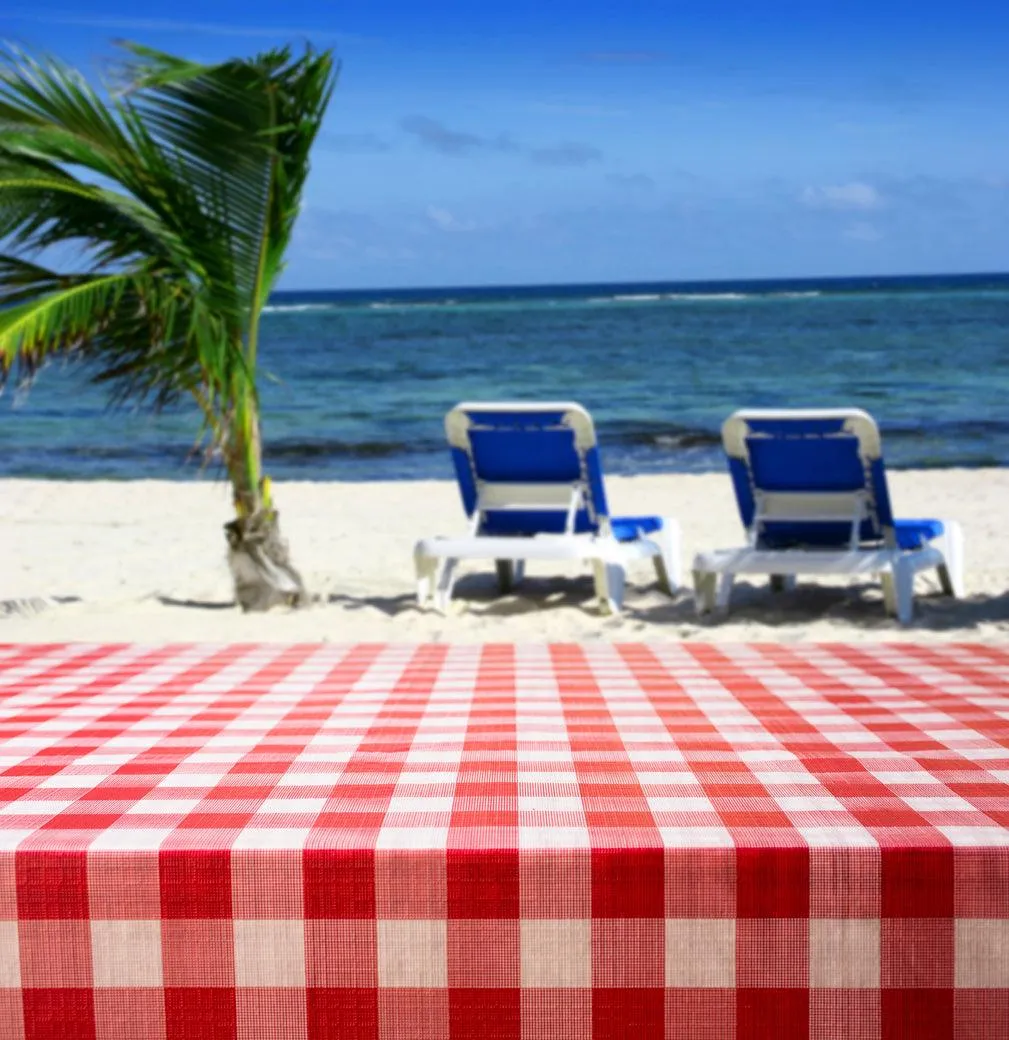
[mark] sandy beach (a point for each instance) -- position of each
(144, 561)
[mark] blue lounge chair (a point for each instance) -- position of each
(812, 494)
(532, 487)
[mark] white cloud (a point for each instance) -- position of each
(448, 222)
(863, 231)
(856, 195)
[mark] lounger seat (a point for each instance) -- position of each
(812, 494)
(532, 486)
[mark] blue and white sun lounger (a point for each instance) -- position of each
(532, 487)
(812, 494)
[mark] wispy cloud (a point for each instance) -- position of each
(568, 153)
(855, 195)
(171, 25)
(437, 137)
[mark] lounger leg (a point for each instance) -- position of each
(705, 583)
(445, 584)
(505, 575)
(951, 571)
(889, 592)
(667, 562)
(427, 572)
(609, 585)
(724, 592)
(783, 582)
(903, 580)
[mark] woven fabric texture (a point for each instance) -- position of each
(562, 842)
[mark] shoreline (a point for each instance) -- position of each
(611, 475)
(144, 561)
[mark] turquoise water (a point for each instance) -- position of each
(362, 380)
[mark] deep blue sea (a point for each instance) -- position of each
(359, 381)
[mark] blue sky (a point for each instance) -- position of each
(472, 143)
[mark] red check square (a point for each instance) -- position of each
(345, 1014)
(924, 1014)
(484, 885)
(772, 1014)
(339, 883)
(485, 1014)
(620, 1014)
(195, 886)
(52, 883)
(917, 882)
(772, 882)
(58, 1014)
(628, 882)
(195, 1011)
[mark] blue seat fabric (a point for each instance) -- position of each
(817, 455)
(530, 448)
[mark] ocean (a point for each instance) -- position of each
(356, 383)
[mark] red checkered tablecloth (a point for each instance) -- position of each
(524, 842)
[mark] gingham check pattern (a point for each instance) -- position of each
(520, 842)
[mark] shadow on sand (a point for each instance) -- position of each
(859, 605)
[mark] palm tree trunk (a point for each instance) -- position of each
(258, 556)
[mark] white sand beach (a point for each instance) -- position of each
(144, 561)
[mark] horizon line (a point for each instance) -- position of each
(764, 279)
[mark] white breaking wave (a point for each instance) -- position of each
(709, 296)
(281, 308)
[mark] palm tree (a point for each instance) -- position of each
(178, 192)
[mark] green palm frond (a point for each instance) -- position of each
(59, 321)
(180, 191)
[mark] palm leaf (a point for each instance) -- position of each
(181, 190)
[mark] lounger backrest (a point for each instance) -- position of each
(801, 475)
(527, 469)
